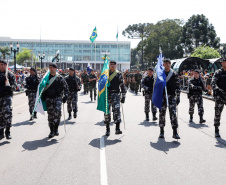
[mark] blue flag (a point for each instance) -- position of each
(89, 68)
(159, 84)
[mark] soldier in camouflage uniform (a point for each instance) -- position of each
(138, 78)
(116, 83)
(53, 96)
(219, 90)
(173, 91)
(92, 85)
(74, 85)
(7, 86)
(32, 84)
(148, 85)
(85, 82)
(196, 86)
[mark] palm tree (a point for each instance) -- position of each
(5, 51)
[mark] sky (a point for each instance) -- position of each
(75, 19)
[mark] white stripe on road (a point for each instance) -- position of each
(20, 106)
(103, 166)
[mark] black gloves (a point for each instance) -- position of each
(123, 99)
(64, 99)
(178, 100)
(8, 88)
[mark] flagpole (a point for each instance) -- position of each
(95, 53)
(117, 43)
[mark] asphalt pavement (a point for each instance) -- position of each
(83, 155)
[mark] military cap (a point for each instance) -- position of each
(151, 68)
(3, 61)
(72, 69)
(167, 60)
(33, 69)
(223, 59)
(197, 70)
(112, 61)
(53, 65)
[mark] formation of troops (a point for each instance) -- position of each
(63, 88)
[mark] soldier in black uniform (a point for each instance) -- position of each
(196, 86)
(74, 85)
(147, 85)
(219, 90)
(116, 83)
(85, 81)
(7, 86)
(53, 94)
(173, 91)
(32, 82)
(92, 85)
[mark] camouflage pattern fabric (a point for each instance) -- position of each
(31, 100)
(72, 102)
(148, 98)
(5, 111)
(219, 106)
(196, 99)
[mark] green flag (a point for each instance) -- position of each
(93, 35)
(103, 84)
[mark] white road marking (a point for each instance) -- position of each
(20, 106)
(103, 166)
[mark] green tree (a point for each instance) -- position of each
(205, 52)
(24, 55)
(137, 31)
(165, 34)
(134, 58)
(197, 31)
(5, 51)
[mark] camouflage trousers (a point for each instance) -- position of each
(136, 87)
(86, 86)
(114, 103)
(219, 105)
(31, 100)
(5, 111)
(93, 90)
(54, 110)
(196, 99)
(72, 102)
(148, 98)
(172, 111)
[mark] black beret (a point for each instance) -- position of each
(3, 61)
(72, 69)
(33, 69)
(53, 65)
(112, 61)
(197, 70)
(151, 68)
(223, 59)
(167, 60)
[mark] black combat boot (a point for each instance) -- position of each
(107, 130)
(56, 133)
(147, 116)
(84, 92)
(117, 129)
(217, 134)
(2, 133)
(31, 117)
(175, 134)
(35, 115)
(51, 134)
(7, 133)
(191, 118)
(154, 117)
(94, 97)
(69, 115)
(161, 132)
(75, 114)
(91, 98)
(201, 119)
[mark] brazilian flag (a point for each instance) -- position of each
(94, 35)
(103, 84)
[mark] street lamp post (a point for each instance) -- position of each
(14, 52)
(222, 50)
(41, 57)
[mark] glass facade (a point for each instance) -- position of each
(74, 51)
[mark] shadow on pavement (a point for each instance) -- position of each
(164, 146)
(67, 122)
(34, 145)
(221, 143)
(111, 142)
(102, 124)
(148, 124)
(23, 123)
(95, 143)
(4, 143)
(198, 126)
(89, 102)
